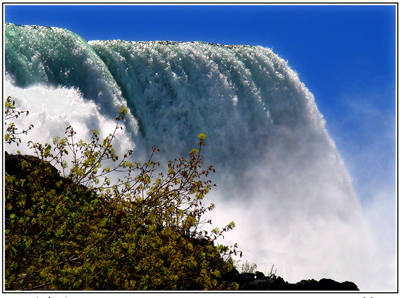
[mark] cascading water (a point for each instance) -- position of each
(279, 175)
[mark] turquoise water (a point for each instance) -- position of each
(279, 175)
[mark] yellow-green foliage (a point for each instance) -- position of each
(11, 112)
(78, 231)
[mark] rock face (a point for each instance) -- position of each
(13, 165)
(260, 282)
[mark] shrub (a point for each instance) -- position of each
(248, 267)
(74, 229)
(11, 112)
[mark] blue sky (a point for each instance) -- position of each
(345, 55)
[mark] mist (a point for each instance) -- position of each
(279, 176)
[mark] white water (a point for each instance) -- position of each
(279, 175)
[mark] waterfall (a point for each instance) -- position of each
(279, 175)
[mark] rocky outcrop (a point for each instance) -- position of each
(13, 165)
(260, 282)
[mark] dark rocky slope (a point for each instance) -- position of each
(260, 282)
